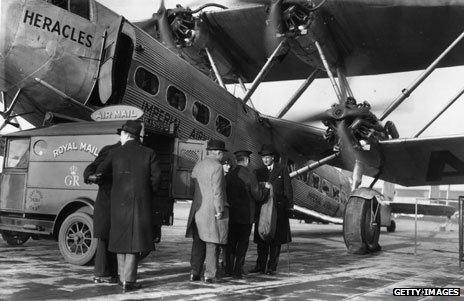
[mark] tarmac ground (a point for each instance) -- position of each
(315, 266)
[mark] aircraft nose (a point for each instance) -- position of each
(10, 12)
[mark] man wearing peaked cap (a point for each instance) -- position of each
(243, 192)
(208, 221)
(276, 175)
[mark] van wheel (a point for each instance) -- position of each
(75, 239)
(15, 238)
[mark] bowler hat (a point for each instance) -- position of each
(267, 150)
(216, 145)
(244, 153)
(131, 126)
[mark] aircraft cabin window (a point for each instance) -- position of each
(223, 126)
(176, 98)
(146, 81)
(200, 112)
(78, 7)
(315, 181)
(326, 187)
(336, 193)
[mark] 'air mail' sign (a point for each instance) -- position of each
(120, 112)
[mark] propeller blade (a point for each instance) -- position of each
(164, 28)
(274, 27)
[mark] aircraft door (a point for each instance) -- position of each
(106, 78)
(186, 154)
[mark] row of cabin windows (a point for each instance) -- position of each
(326, 187)
(149, 82)
(78, 7)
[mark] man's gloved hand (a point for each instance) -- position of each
(93, 179)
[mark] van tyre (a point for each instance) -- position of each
(13, 238)
(360, 235)
(75, 239)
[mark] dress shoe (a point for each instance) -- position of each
(209, 280)
(109, 279)
(257, 270)
(270, 272)
(130, 286)
(194, 277)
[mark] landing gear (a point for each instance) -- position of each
(392, 226)
(361, 225)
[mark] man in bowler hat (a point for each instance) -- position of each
(106, 264)
(207, 223)
(243, 192)
(277, 175)
(135, 175)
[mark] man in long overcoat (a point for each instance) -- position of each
(207, 223)
(243, 192)
(106, 265)
(135, 179)
(277, 175)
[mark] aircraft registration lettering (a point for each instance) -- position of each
(73, 146)
(444, 164)
(54, 26)
(198, 135)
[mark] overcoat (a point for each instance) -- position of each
(101, 211)
(283, 199)
(136, 175)
(209, 199)
(243, 192)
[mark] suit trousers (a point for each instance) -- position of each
(266, 250)
(239, 237)
(127, 267)
(106, 264)
(203, 253)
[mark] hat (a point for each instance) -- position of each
(131, 126)
(245, 153)
(227, 159)
(216, 145)
(267, 150)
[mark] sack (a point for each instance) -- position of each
(267, 218)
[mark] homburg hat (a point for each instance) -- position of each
(131, 126)
(216, 145)
(267, 150)
(244, 153)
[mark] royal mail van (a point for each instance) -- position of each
(42, 190)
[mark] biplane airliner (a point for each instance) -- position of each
(67, 58)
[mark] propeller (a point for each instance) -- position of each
(273, 33)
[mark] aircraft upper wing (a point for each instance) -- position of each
(371, 36)
(423, 161)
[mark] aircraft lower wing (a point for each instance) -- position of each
(425, 209)
(423, 161)
(370, 36)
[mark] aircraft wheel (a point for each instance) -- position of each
(392, 226)
(75, 239)
(14, 238)
(359, 233)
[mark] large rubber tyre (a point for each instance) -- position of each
(360, 235)
(15, 238)
(392, 226)
(75, 239)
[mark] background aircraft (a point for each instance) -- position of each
(70, 57)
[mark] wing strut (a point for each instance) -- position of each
(329, 73)
(406, 92)
(215, 69)
(298, 93)
(269, 63)
(456, 97)
(314, 165)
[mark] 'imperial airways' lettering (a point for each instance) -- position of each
(65, 30)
